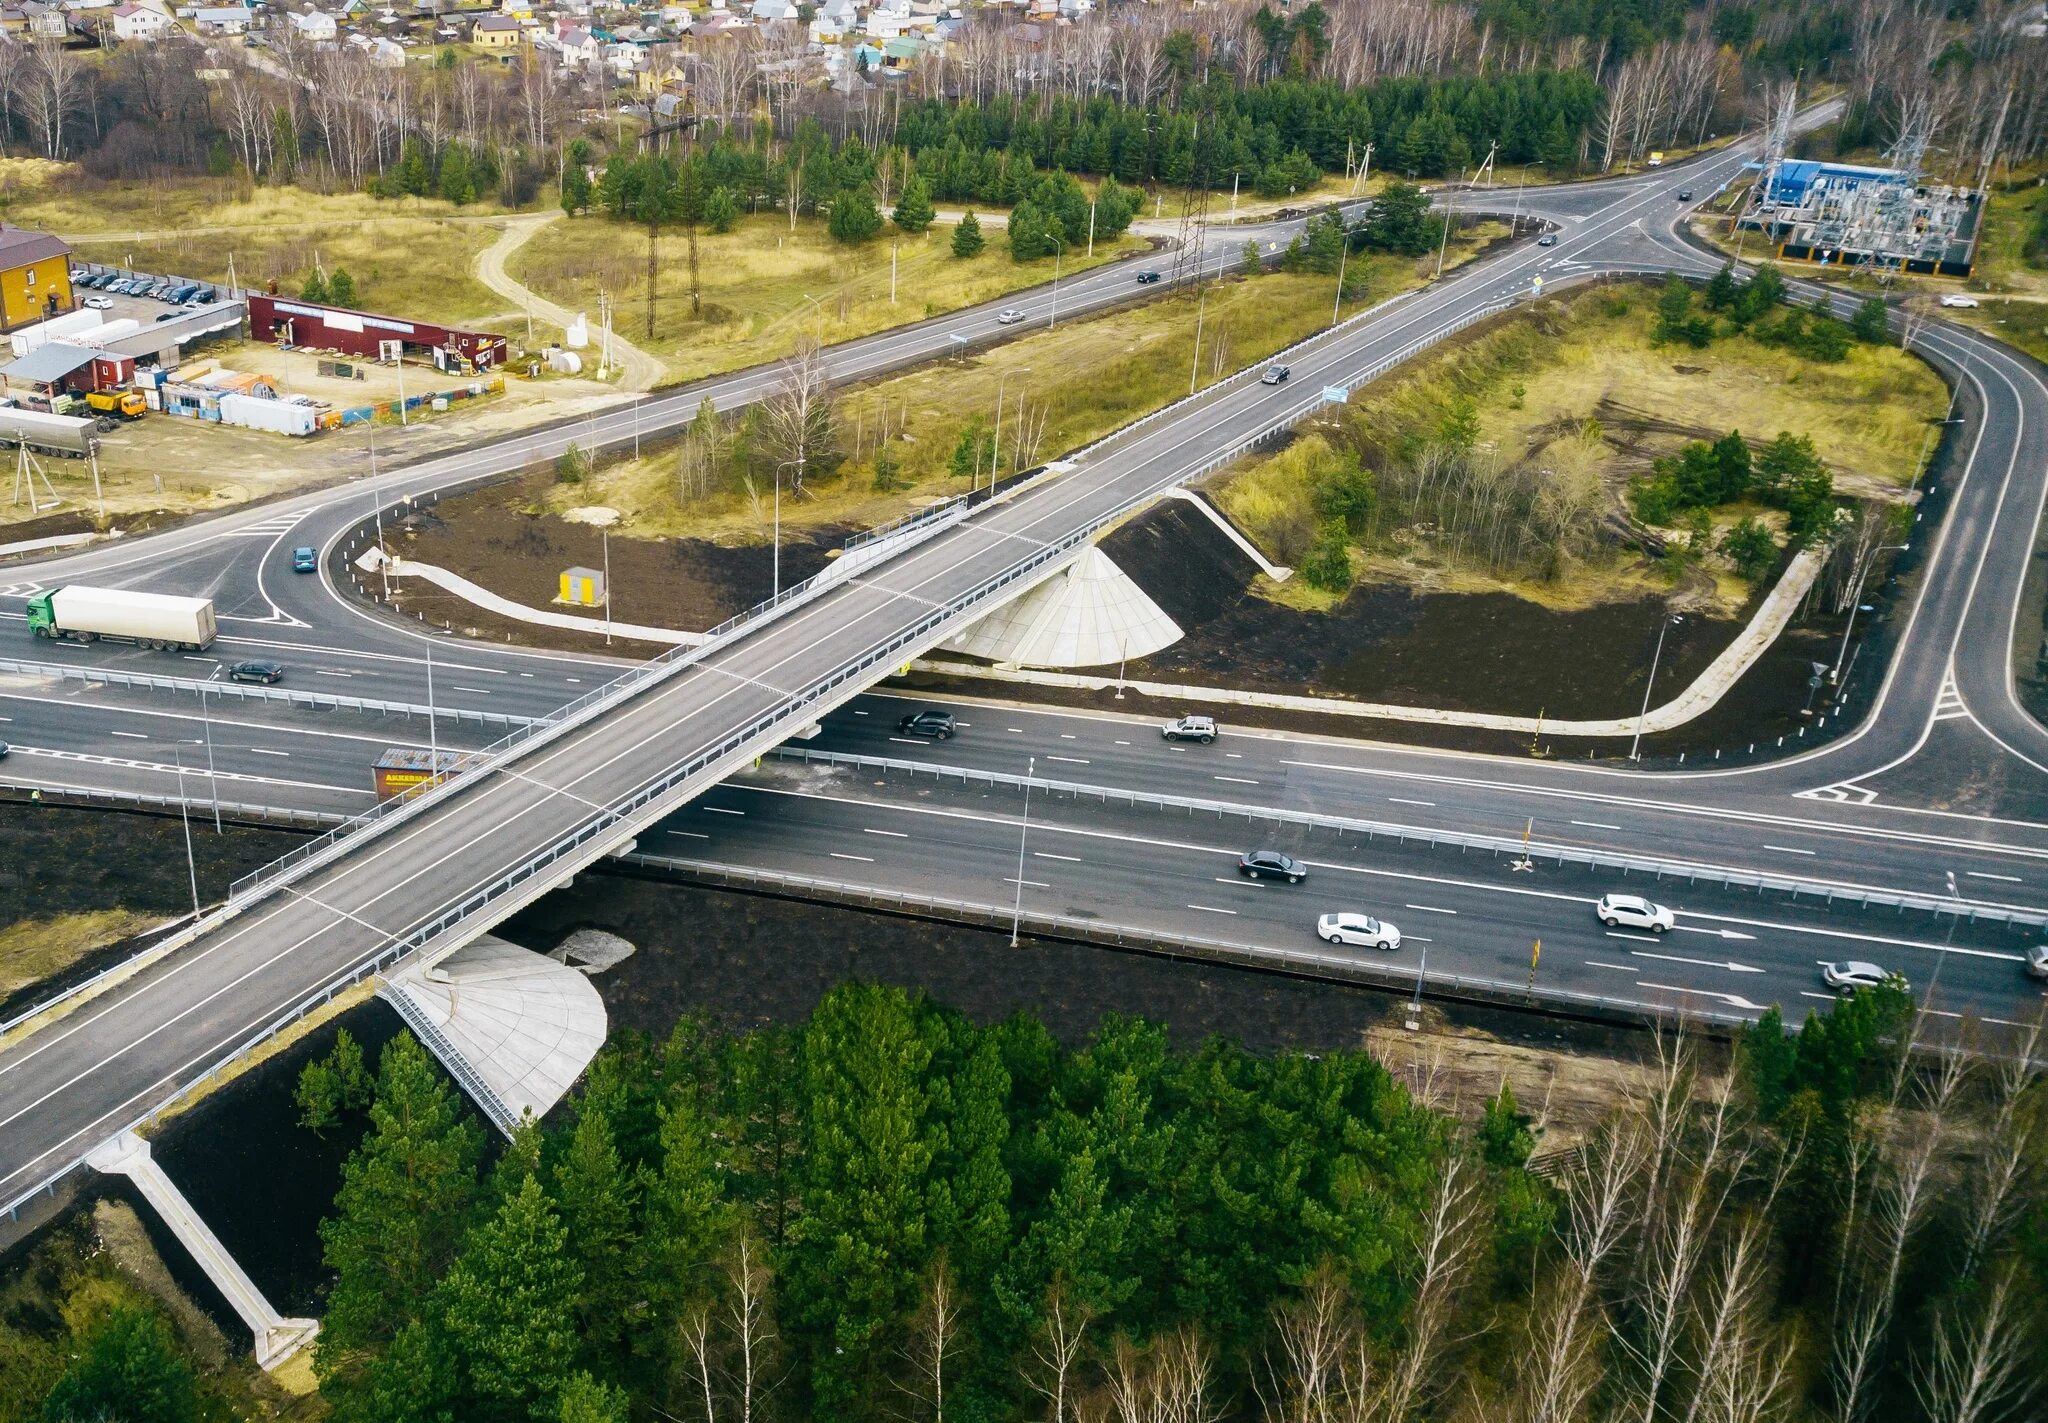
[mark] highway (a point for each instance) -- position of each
(481, 850)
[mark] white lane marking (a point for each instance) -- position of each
(1068, 736)
(1596, 825)
(858, 712)
(1595, 963)
(1235, 755)
(1639, 938)
(1729, 964)
(1408, 876)
(1429, 909)
(1123, 743)
(1823, 997)
(2009, 879)
(131, 735)
(1070, 760)
(1733, 1000)
(1212, 909)
(1787, 850)
(864, 859)
(323, 672)
(1397, 800)
(1235, 780)
(1242, 882)
(721, 810)
(193, 657)
(1717, 933)
(264, 751)
(905, 741)
(1016, 730)
(687, 834)
(892, 834)
(1027, 883)
(477, 691)
(1049, 855)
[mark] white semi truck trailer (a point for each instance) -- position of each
(160, 620)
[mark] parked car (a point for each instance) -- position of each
(1190, 728)
(97, 303)
(1275, 375)
(1009, 316)
(2037, 961)
(1147, 277)
(4, 749)
(305, 560)
(202, 296)
(1271, 864)
(1957, 299)
(169, 315)
(1852, 974)
(1548, 239)
(930, 721)
(1634, 911)
(264, 672)
(1358, 930)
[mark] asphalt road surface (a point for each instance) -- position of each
(510, 833)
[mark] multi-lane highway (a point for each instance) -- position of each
(477, 853)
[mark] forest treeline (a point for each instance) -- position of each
(889, 1212)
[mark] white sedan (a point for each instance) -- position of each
(1634, 911)
(1959, 300)
(98, 303)
(1009, 316)
(1359, 930)
(1852, 974)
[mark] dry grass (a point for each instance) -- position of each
(1077, 383)
(32, 950)
(764, 286)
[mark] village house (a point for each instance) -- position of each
(137, 22)
(497, 32)
(315, 25)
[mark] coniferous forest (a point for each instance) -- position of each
(890, 1212)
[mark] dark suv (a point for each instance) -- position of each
(1271, 864)
(264, 672)
(932, 722)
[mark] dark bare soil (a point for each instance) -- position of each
(62, 861)
(1486, 652)
(687, 584)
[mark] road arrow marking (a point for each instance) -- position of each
(1723, 933)
(1729, 964)
(1733, 1000)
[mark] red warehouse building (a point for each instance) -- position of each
(290, 322)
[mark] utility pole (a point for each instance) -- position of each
(1450, 206)
(1663, 627)
(433, 736)
(893, 244)
(1091, 227)
(1343, 254)
(1059, 252)
(1023, 834)
(212, 784)
(185, 818)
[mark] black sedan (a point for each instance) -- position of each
(264, 672)
(1271, 864)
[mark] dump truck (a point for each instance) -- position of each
(160, 620)
(121, 404)
(68, 435)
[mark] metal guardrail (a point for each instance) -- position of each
(486, 1097)
(1266, 957)
(1660, 869)
(114, 678)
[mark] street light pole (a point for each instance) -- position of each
(1023, 834)
(433, 737)
(1343, 254)
(1450, 206)
(212, 784)
(1855, 598)
(1642, 716)
(1059, 253)
(185, 818)
(604, 537)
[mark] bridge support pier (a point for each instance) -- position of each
(277, 1338)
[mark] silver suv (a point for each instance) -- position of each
(1190, 728)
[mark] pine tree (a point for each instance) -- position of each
(598, 1201)
(585, 1400)
(685, 1212)
(131, 1370)
(404, 1200)
(854, 218)
(457, 185)
(914, 211)
(576, 189)
(967, 238)
(341, 289)
(511, 1305)
(315, 288)
(721, 210)
(413, 176)
(1030, 237)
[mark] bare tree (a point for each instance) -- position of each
(1983, 1366)
(796, 415)
(1312, 1332)
(1057, 1349)
(934, 1338)
(695, 1330)
(1451, 1237)
(51, 86)
(747, 1321)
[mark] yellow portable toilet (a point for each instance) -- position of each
(582, 587)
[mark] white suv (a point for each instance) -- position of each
(1634, 911)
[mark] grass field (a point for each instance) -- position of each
(764, 286)
(1075, 383)
(1578, 390)
(33, 949)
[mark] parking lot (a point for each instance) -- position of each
(112, 293)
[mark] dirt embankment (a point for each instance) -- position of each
(1485, 652)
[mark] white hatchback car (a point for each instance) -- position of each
(1634, 911)
(1360, 930)
(97, 303)
(1958, 299)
